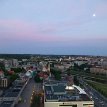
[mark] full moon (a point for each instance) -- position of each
(94, 15)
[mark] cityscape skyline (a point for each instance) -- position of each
(53, 27)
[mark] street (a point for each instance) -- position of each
(96, 96)
(27, 93)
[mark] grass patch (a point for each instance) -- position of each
(94, 77)
(102, 88)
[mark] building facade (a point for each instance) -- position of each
(4, 82)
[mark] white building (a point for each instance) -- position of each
(80, 62)
(15, 62)
(29, 73)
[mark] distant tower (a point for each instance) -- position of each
(48, 67)
(48, 70)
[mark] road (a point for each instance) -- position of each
(27, 93)
(96, 96)
(38, 87)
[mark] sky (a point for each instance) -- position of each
(72, 27)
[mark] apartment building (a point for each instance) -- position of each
(98, 70)
(4, 82)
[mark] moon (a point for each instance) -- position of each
(94, 15)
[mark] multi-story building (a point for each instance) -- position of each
(80, 62)
(104, 64)
(59, 94)
(59, 66)
(4, 82)
(44, 66)
(15, 62)
(8, 64)
(98, 70)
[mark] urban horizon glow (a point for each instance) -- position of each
(53, 27)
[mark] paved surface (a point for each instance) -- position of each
(38, 87)
(26, 94)
(99, 100)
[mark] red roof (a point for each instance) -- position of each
(42, 74)
(1, 72)
(11, 72)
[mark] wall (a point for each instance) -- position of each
(79, 104)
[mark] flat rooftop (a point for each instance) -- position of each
(58, 92)
(6, 104)
(12, 94)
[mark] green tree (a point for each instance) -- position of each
(57, 76)
(56, 73)
(2, 67)
(35, 101)
(37, 78)
(17, 70)
(13, 77)
(76, 82)
(76, 67)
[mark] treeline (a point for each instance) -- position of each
(103, 81)
(15, 56)
(81, 67)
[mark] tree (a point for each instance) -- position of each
(76, 67)
(69, 72)
(13, 77)
(57, 76)
(17, 70)
(2, 67)
(76, 80)
(35, 101)
(56, 73)
(37, 79)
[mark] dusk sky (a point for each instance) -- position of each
(77, 27)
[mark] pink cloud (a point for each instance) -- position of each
(13, 24)
(21, 30)
(24, 31)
